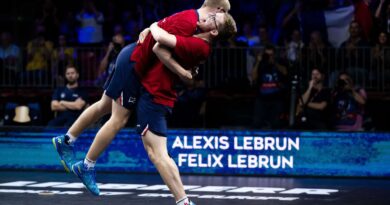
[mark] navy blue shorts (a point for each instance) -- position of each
(124, 86)
(151, 116)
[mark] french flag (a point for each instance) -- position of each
(332, 23)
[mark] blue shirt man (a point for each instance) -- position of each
(68, 101)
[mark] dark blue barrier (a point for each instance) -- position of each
(216, 152)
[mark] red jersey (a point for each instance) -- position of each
(158, 80)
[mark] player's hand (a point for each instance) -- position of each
(186, 76)
(143, 35)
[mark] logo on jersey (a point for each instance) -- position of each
(132, 100)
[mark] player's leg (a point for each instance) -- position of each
(156, 147)
(152, 125)
(64, 143)
(91, 115)
(124, 88)
(63, 148)
(85, 169)
(106, 134)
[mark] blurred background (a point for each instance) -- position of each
(297, 64)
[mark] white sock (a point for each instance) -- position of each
(89, 163)
(72, 139)
(183, 201)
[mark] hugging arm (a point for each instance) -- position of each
(165, 41)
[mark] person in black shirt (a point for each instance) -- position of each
(348, 104)
(68, 101)
(270, 75)
(312, 114)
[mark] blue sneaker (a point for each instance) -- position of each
(87, 176)
(65, 151)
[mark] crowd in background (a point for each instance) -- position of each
(56, 34)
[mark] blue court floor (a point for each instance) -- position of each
(60, 188)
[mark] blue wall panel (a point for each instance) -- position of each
(216, 152)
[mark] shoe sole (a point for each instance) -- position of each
(62, 161)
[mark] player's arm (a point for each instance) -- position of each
(162, 37)
(166, 58)
(164, 40)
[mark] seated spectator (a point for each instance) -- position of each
(10, 59)
(38, 57)
(312, 108)
(63, 56)
(270, 75)
(68, 101)
(348, 105)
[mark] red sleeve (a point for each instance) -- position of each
(182, 23)
(191, 50)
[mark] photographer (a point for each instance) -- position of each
(107, 65)
(270, 77)
(312, 106)
(348, 105)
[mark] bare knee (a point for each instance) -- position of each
(117, 122)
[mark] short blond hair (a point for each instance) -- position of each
(225, 4)
(228, 29)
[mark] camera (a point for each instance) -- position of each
(117, 47)
(266, 57)
(341, 84)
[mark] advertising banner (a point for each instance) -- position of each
(221, 152)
